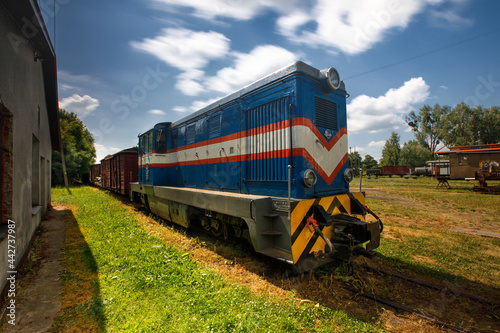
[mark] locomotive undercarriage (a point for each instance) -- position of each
(307, 235)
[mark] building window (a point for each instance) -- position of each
(6, 140)
(35, 171)
(463, 160)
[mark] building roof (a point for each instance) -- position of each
(494, 147)
(20, 10)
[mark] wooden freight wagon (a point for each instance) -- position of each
(396, 170)
(465, 161)
(119, 170)
(95, 175)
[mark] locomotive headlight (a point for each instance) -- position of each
(333, 78)
(348, 175)
(309, 177)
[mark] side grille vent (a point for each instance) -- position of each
(326, 113)
(266, 142)
(214, 126)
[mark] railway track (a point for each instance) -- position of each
(487, 306)
(308, 287)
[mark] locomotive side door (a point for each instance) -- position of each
(214, 151)
(223, 165)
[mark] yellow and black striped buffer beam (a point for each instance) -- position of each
(304, 240)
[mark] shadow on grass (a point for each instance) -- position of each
(81, 303)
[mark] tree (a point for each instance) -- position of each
(427, 125)
(391, 151)
(369, 162)
(78, 147)
(465, 126)
(414, 154)
(354, 160)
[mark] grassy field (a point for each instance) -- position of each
(419, 219)
(125, 271)
(120, 276)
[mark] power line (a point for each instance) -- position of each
(424, 54)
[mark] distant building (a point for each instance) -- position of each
(466, 160)
(29, 126)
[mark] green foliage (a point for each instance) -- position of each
(414, 154)
(470, 126)
(78, 147)
(354, 160)
(461, 126)
(427, 124)
(391, 151)
(369, 162)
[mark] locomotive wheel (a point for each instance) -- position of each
(205, 223)
(217, 228)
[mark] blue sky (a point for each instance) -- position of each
(124, 66)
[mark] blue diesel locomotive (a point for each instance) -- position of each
(268, 163)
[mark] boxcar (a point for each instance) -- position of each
(95, 175)
(119, 170)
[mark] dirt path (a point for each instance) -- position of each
(37, 301)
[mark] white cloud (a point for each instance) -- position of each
(77, 83)
(103, 151)
(236, 9)
(64, 76)
(81, 105)
(248, 67)
(347, 26)
(351, 27)
(65, 87)
(195, 106)
(190, 51)
(385, 113)
(378, 144)
(157, 112)
(185, 49)
(189, 82)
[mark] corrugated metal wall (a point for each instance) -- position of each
(267, 141)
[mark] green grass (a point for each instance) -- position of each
(131, 281)
(418, 217)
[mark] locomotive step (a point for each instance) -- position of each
(271, 233)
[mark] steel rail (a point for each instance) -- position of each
(404, 308)
(428, 285)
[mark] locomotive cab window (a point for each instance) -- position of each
(160, 141)
(150, 142)
(173, 139)
(191, 134)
